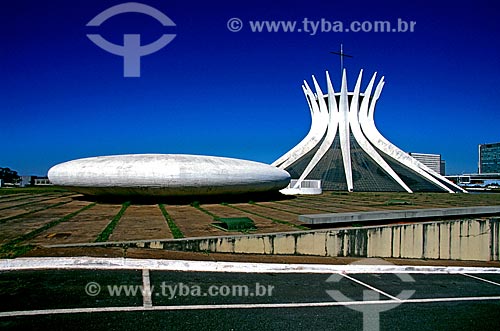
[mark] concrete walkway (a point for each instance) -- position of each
(370, 266)
(408, 214)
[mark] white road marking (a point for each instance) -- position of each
(146, 289)
(237, 306)
(211, 266)
(372, 288)
(482, 279)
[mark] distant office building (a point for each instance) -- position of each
(42, 181)
(432, 161)
(489, 158)
(34, 181)
(443, 168)
(26, 181)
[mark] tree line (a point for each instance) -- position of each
(9, 176)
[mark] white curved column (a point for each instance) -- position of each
(331, 118)
(367, 122)
(361, 139)
(308, 137)
(332, 127)
(319, 123)
(345, 145)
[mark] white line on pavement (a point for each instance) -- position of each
(238, 306)
(372, 288)
(482, 279)
(146, 289)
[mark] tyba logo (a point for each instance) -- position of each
(131, 50)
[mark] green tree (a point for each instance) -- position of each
(9, 176)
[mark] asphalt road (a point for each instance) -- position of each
(63, 299)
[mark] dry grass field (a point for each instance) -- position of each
(29, 218)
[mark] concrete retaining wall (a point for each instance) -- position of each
(456, 240)
(450, 240)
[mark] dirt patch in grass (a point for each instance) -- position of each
(25, 224)
(84, 227)
(193, 222)
(141, 222)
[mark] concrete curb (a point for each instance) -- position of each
(67, 263)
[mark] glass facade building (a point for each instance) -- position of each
(489, 158)
(433, 161)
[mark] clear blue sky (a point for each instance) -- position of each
(237, 94)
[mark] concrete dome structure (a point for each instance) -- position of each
(166, 175)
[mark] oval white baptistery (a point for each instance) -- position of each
(167, 175)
